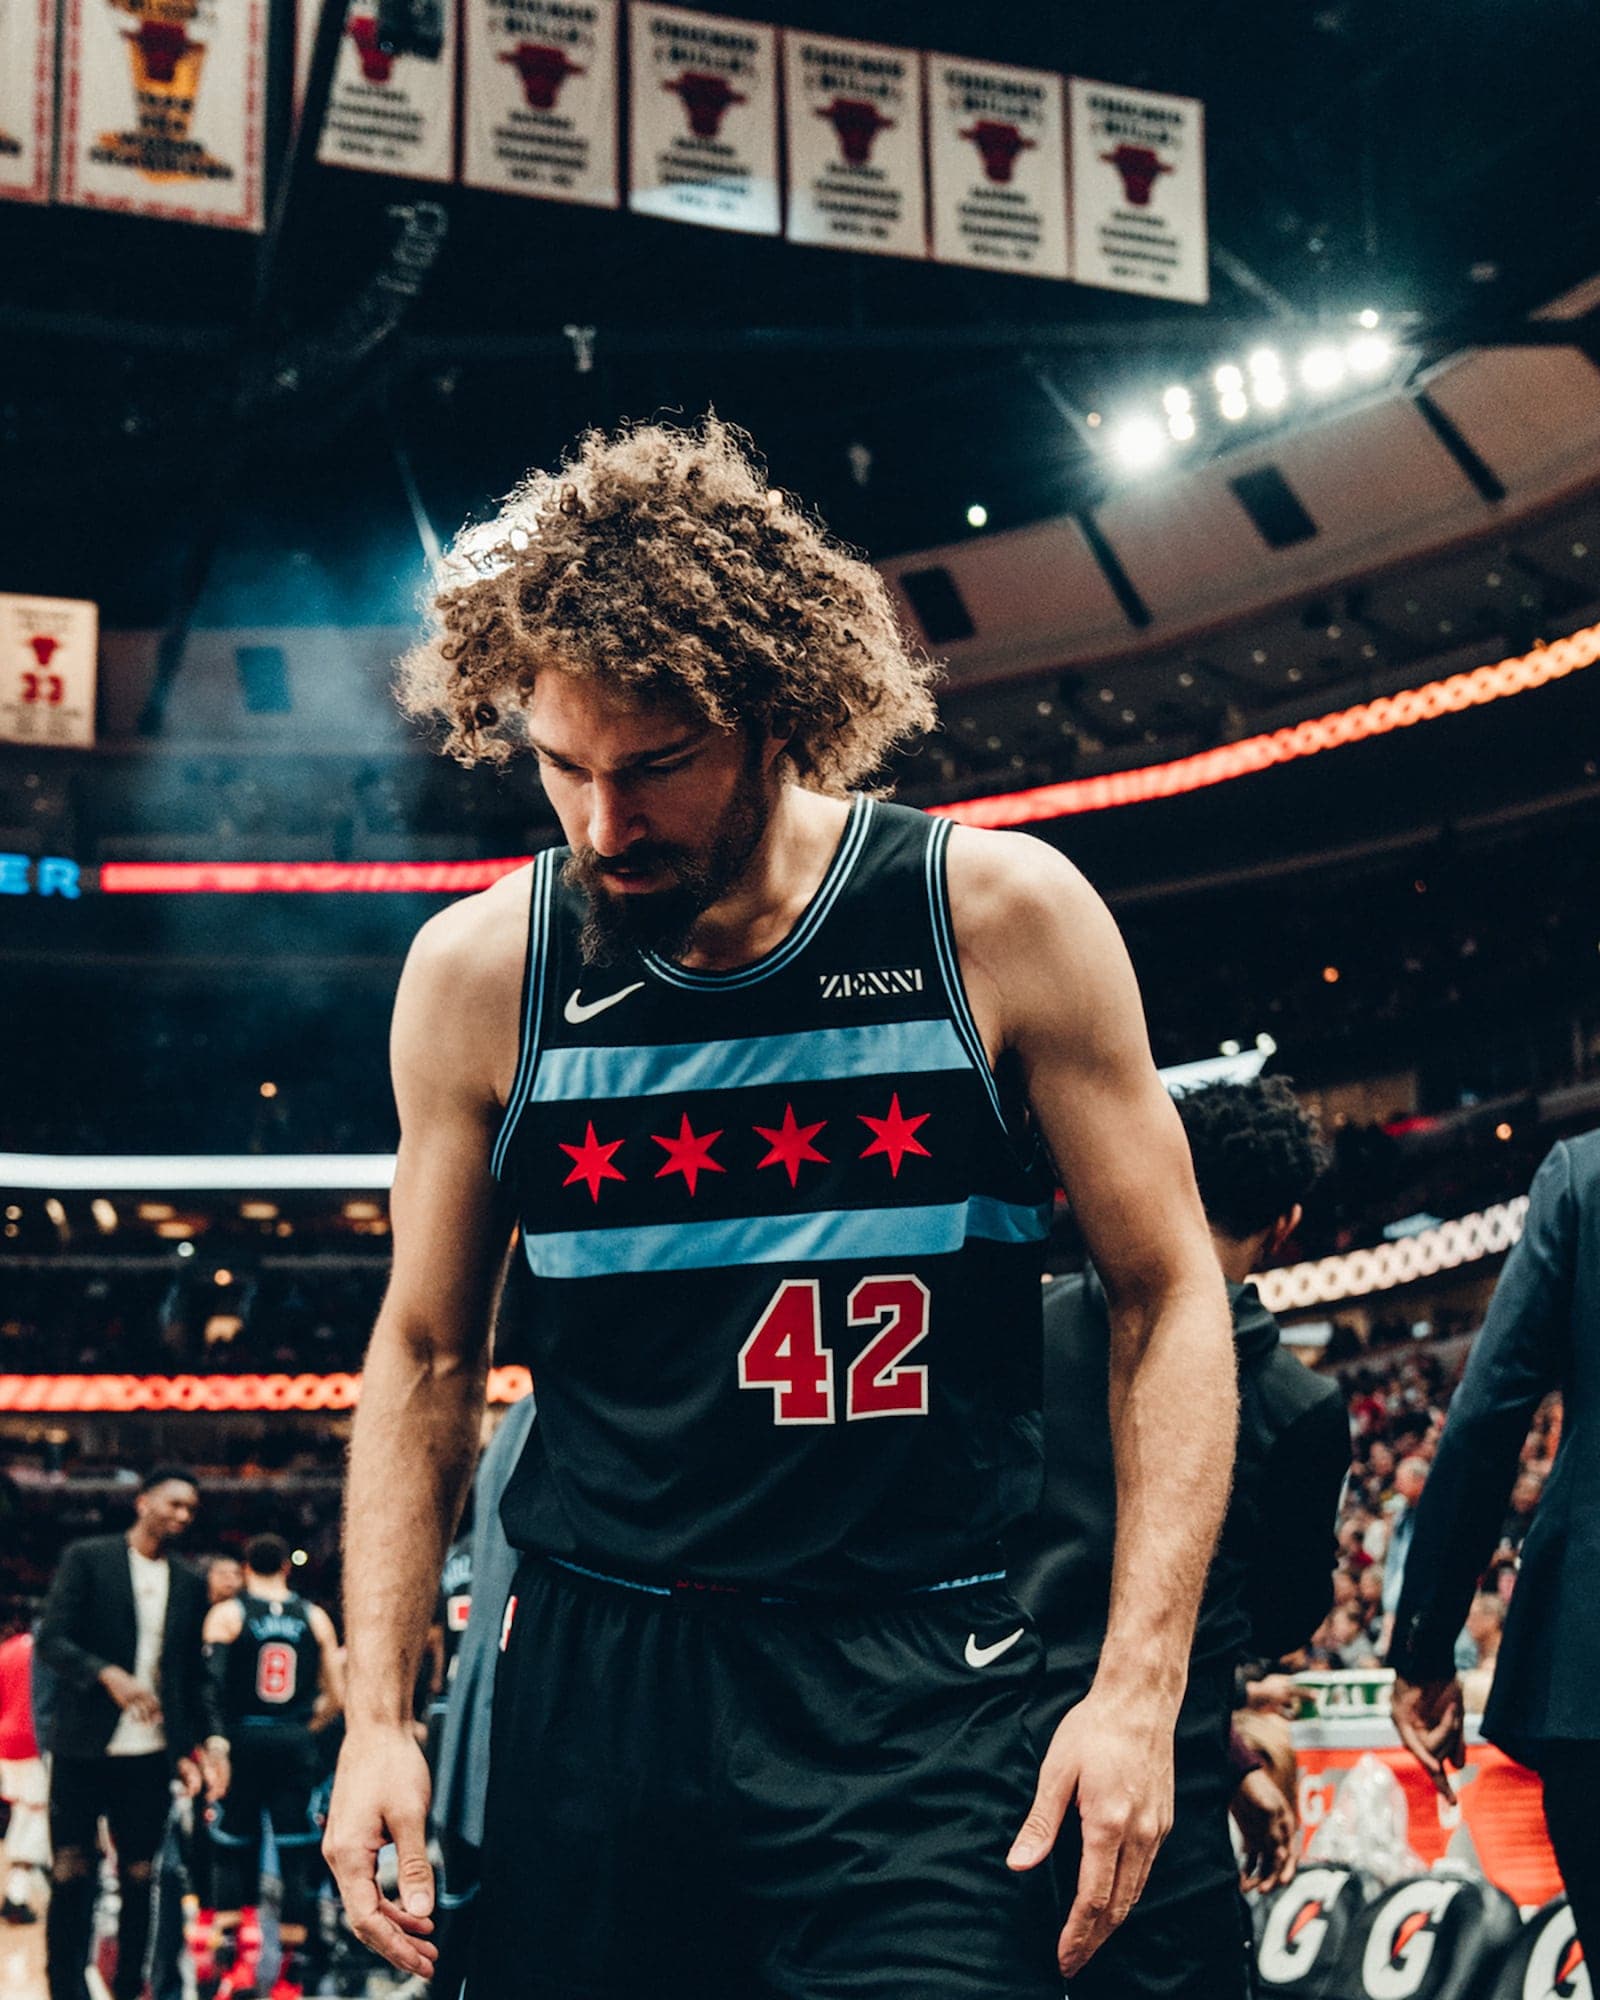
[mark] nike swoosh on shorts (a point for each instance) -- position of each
(980, 1656)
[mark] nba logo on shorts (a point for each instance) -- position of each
(505, 1622)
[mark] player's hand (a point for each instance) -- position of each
(216, 1770)
(380, 1793)
(1430, 1719)
(1276, 1694)
(189, 1777)
(1114, 1757)
(133, 1696)
(1266, 1825)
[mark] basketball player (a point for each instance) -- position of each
(275, 1659)
(766, 1070)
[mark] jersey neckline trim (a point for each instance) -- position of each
(812, 918)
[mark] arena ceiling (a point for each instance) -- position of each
(161, 381)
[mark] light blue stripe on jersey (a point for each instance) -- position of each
(884, 1049)
(880, 1234)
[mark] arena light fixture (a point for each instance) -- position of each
(1466, 1240)
(1265, 363)
(1228, 379)
(1138, 444)
(1251, 754)
(1369, 354)
(1182, 425)
(1369, 316)
(195, 1173)
(1322, 369)
(1271, 392)
(977, 515)
(1177, 401)
(1234, 405)
(65, 1395)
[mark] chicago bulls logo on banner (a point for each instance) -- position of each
(997, 150)
(391, 110)
(704, 111)
(162, 108)
(48, 656)
(27, 98)
(854, 127)
(1435, 1938)
(541, 99)
(1139, 191)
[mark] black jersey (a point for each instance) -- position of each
(785, 1232)
(274, 1666)
(455, 1602)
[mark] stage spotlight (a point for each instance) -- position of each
(1368, 317)
(1322, 369)
(1235, 405)
(1137, 443)
(1229, 380)
(1370, 354)
(1182, 426)
(1265, 362)
(1177, 402)
(1271, 391)
(977, 516)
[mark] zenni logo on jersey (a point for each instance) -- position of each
(877, 984)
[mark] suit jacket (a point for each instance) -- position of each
(89, 1622)
(1268, 1585)
(461, 1782)
(1542, 1331)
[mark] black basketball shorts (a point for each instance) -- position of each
(693, 1794)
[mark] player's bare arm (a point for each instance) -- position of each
(453, 1048)
(330, 1691)
(224, 1623)
(1049, 981)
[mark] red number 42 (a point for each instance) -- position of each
(785, 1353)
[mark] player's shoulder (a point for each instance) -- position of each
(225, 1621)
(472, 951)
(996, 876)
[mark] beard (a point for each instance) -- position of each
(663, 920)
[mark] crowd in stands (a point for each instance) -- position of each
(1397, 1413)
(180, 1320)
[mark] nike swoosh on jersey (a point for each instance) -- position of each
(577, 1012)
(980, 1656)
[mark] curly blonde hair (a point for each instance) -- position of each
(658, 561)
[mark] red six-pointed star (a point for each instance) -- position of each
(689, 1154)
(791, 1143)
(896, 1135)
(591, 1162)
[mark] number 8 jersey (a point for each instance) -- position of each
(273, 1668)
(785, 1233)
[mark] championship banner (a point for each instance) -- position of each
(49, 651)
(1139, 192)
(854, 127)
(392, 111)
(27, 98)
(162, 108)
(540, 91)
(704, 119)
(997, 148)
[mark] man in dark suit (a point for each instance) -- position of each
(1542, 1332)
(1256, 1156)
(134, 1705)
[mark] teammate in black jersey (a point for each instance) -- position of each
(763, 1071)
(276, 1661)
